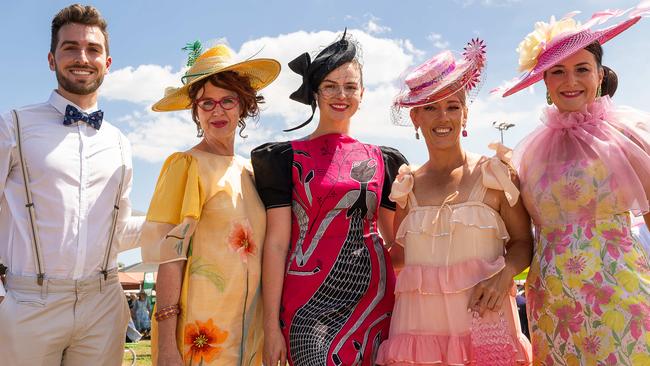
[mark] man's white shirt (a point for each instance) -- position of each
(74, 175)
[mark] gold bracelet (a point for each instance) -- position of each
(167, 312)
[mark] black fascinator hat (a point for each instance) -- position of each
(313, 72)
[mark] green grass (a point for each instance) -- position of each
(143, 353)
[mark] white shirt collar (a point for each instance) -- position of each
(60, 103)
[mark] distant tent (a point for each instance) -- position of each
(129, 282)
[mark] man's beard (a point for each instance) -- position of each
(75, 87)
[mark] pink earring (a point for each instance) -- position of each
(464, 132)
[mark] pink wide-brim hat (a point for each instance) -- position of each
(567, 44)
(443, 75)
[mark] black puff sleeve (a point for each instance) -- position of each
(393, 159)
(272, 168)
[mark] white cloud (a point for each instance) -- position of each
(143, 84)
(155, 136)
(438, 41)
(373, 27)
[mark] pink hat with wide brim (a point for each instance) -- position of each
(567, 44)
(442, 76)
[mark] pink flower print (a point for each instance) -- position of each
(597, 296)
(611, 360)
(571, 191)
(592, 344)
(558, 171)
(549, 361)
(543, 182)
(535, 298)
(617, 241)
(589, 229)
(241, 240)
(642, 264)
(569, 318)
(598, 278)
(640, 319)
(586, 213)
(576, 264)
(558, 241)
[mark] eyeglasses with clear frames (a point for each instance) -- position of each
(330, 90)
(209, 104)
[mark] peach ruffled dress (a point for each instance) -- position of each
(448, 250)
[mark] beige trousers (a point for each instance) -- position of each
(63, 322)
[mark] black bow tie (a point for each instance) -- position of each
(72, 115)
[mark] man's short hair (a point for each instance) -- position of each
(80, 14)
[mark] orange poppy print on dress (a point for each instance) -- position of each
(241, 240)
(203, 340)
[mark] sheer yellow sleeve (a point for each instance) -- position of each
(178, 192)
(174, 211)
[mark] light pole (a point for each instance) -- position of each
(502, 126)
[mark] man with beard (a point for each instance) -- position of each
(65, 177)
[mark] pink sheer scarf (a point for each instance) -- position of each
(590, 164)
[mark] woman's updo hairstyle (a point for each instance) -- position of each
(610, 80)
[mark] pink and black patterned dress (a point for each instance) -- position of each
(338, 288)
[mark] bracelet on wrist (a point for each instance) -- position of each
(167, 312)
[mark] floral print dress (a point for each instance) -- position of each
(588, 290)
(205, 210)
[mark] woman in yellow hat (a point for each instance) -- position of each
(206, 223)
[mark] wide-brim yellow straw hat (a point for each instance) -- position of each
(261, 72)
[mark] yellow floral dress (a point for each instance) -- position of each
(206, 210)
(588, 290)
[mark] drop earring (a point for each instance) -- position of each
(199, 131)
(599, 92)
(417, 133)
(549, 101)
(464, 133)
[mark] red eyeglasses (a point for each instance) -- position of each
(209, 104)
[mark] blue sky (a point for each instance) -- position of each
(146, 37)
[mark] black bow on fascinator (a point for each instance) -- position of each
(313, 72)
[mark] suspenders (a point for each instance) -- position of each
(116, 208)
(36, 243)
